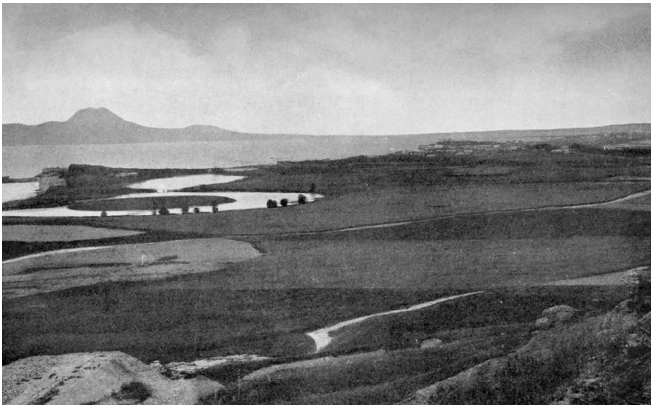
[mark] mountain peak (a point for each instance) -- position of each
(94, 116)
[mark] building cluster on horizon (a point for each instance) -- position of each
(461, 148)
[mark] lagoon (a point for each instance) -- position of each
(27, 161)
(182, 182)
(18, 191)
(243, 201)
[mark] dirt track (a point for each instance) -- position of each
(617, 278)
(322, 336)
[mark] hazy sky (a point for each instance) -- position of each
(330, 69)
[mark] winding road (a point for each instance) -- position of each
(322, 336)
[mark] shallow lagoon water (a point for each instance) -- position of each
(243, 200)
(18, 191)
(182, 182)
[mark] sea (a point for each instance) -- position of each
(28, 161)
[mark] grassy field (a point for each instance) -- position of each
(304, 282)
(134, 262)
(266, 304)
(378, 206)
(474, 330)
(50, 233)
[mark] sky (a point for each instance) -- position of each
(330, 69)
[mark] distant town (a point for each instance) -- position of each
(625, 142)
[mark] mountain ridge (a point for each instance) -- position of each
(92, 126)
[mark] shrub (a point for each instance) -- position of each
(271, 203)
(214, 209)
(302, 199)
(164, 212)
(284, 202)
(133, 391)
(185, 209)
(196, 210)
(103, 214)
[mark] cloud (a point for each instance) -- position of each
(329, 69)
(609, 43)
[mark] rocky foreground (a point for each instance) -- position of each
(569, 358)
(102, 378)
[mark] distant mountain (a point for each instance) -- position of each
(92, 126)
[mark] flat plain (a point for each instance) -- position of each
(500, 223)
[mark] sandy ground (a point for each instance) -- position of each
(133, 262)
(322, 336)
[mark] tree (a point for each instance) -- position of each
(185, 209)
(284, 202)
(164, 211)
(103, 214)
(302, 199)
(196, 210)
(312, 188)
(214, 206)
(271, 203)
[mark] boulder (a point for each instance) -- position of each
(559, 313)
(543, 323)
(96, 378)
(431, 343)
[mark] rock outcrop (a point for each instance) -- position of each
(543, 354)
(96, 378)
(558, 314)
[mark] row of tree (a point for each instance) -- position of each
(302, 199)
(163, 211)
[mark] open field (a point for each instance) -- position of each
(478, 224)
(158, 320)
(47, 233)
(377, 206)
(52, 272)
(491, 251)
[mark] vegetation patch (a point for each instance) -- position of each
(132, 391)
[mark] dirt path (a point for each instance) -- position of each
(616, 278)
(322, 337)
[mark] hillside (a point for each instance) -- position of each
(92, 126)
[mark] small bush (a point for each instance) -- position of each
(164, 212)
(284, 202)
(271, 203)
(302, 199)
(185, 209)
(103, 214)
(133, 391)
(196, 210)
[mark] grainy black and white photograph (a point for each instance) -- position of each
(326, 204)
